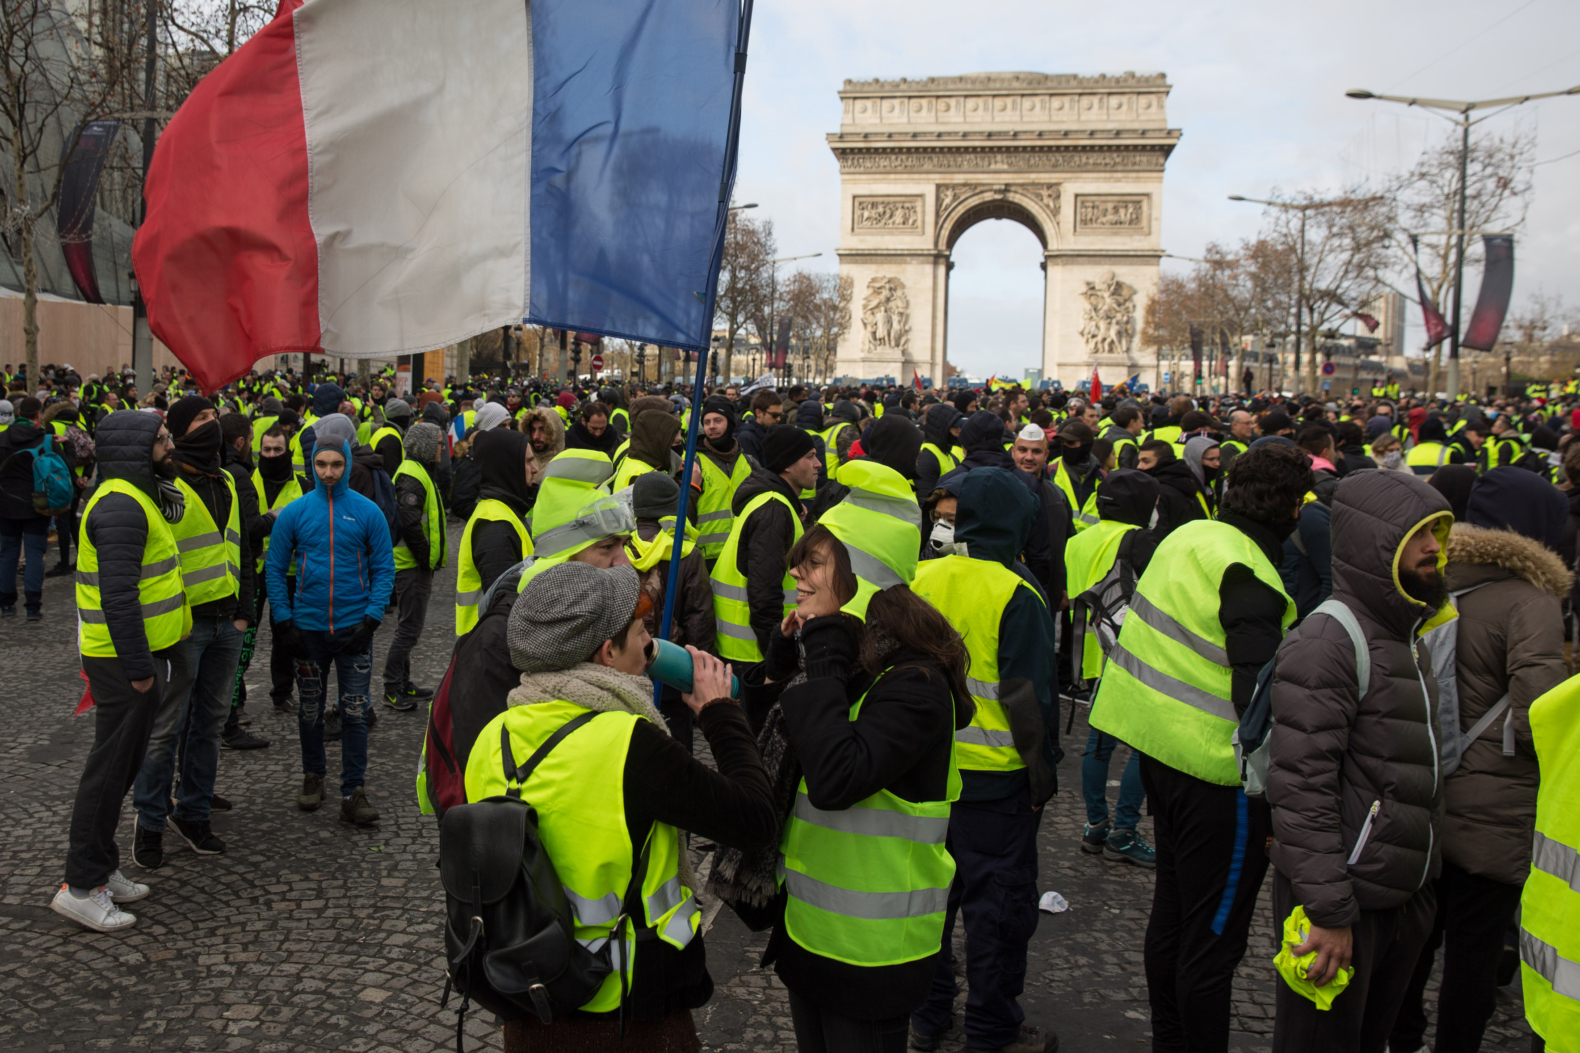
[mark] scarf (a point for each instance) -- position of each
(602, 690)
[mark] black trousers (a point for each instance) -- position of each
(820, 1032)
(1212, 856)
(1473, 915)
(123, 719)
(1387, 943)
(412, 587)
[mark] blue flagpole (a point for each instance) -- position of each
(699, 389)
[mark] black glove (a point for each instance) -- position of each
(289, 637)
(361, 638)
(828, 647)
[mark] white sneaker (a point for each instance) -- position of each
(124, 890)
(98, 911)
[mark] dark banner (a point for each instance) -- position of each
(1497, 285)
(1436, 327)
(82, 164)
(780, 355)
(1195, 352)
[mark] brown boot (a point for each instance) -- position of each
(312, 794)
(356, 809)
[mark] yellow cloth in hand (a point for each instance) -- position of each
(1297, 927)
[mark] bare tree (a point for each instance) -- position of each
(1497, 195)
(745, 282)
(820, 304)
(52, 80)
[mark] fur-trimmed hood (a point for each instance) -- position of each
(556, 428)
(1480, 554)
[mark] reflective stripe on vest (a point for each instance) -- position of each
(1088, 557)
(578, 790)
(1085, 515)
(210, 560)
(972, 594)
(1427, 457)
(1166, 689)
(714, 517)
(868, 885)
(432, 520)
(468, 579)
(167, 616)
(732, 614)
(1550, 903)
(288, 493)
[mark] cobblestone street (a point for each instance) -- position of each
(310, 935)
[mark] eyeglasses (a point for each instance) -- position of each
(164, 439)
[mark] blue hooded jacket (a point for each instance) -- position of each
(340, 543)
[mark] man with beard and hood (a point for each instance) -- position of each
(1354, 779)
(1507, 583)
(1432, 449)
(1206, 617)
(1179, 498)
(1078, 472)
(1006, 758)
(941, 427)
(418, 554)
(496, 536)
(594, 429)
(545, 434)
(725, 467)
(127, 571)
(843, 431)
(652, 438)
(217, 573)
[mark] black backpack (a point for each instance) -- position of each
(509, 934)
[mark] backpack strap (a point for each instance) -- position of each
(516, 778)
(1497, 710)
(1339, 612)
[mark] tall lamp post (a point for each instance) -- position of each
(1442, 108)
(1303, 207)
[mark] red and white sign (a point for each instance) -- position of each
(596, 363)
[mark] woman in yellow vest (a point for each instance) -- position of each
(870, 711)
(615, 789)
(495, 538)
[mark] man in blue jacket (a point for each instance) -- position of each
(339, 542)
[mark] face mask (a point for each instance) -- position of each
(1209, 473)
(276, 469)
(943, 537)
(1392, 458)
(205, 437)
(1077, 454)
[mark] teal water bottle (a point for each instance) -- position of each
(670, 664)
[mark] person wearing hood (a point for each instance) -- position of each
(651, 549)
(1126, 501)
(983, 439)
(1432, 449)
(653, 434)
(545, 434)
(1206, 617)
(1180, 499)
(842, 432)
(388, 440)
(752, 592)
(809, 418)
(594, 429)
(217, 573)
(1307, 568)
(340, 542)
(1508, 584)
(1006, 758)
(941, 426)
(1078, 472)
(724, 468)
(617, 783)
(22, 526)
(767, 409)
(419, 553)
(1205, 461)
(467, 477)
(495, 538)
(1356, 789)
(131, 617)
(1454, 482)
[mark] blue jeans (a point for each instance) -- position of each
(353, 674)
(197, 699)
(1094, 783)
(15, 535)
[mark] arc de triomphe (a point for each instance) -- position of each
(1077, 160)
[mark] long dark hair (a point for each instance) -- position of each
(909, 623)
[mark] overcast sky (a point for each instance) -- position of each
(1258, 92)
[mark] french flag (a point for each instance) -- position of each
(370, 177)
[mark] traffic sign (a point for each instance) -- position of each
(1327, 369)
(596, 363)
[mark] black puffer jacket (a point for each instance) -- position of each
(117, 527)
(809, 418)
(935, 429)
(766, 539)
(1335, 756)
(1177, 504)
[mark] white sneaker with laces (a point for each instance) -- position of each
(124, 890)
(97, 911)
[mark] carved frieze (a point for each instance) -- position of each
(1108, 319)
(1112, 212)
(880, 214)
(1140, 159)
(886, 317)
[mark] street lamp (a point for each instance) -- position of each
(737, 208)
(1463, 121)
(773, 297)
(1302, 207)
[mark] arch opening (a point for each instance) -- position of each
(996, 292)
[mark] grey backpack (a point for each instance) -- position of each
(1442, 644)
